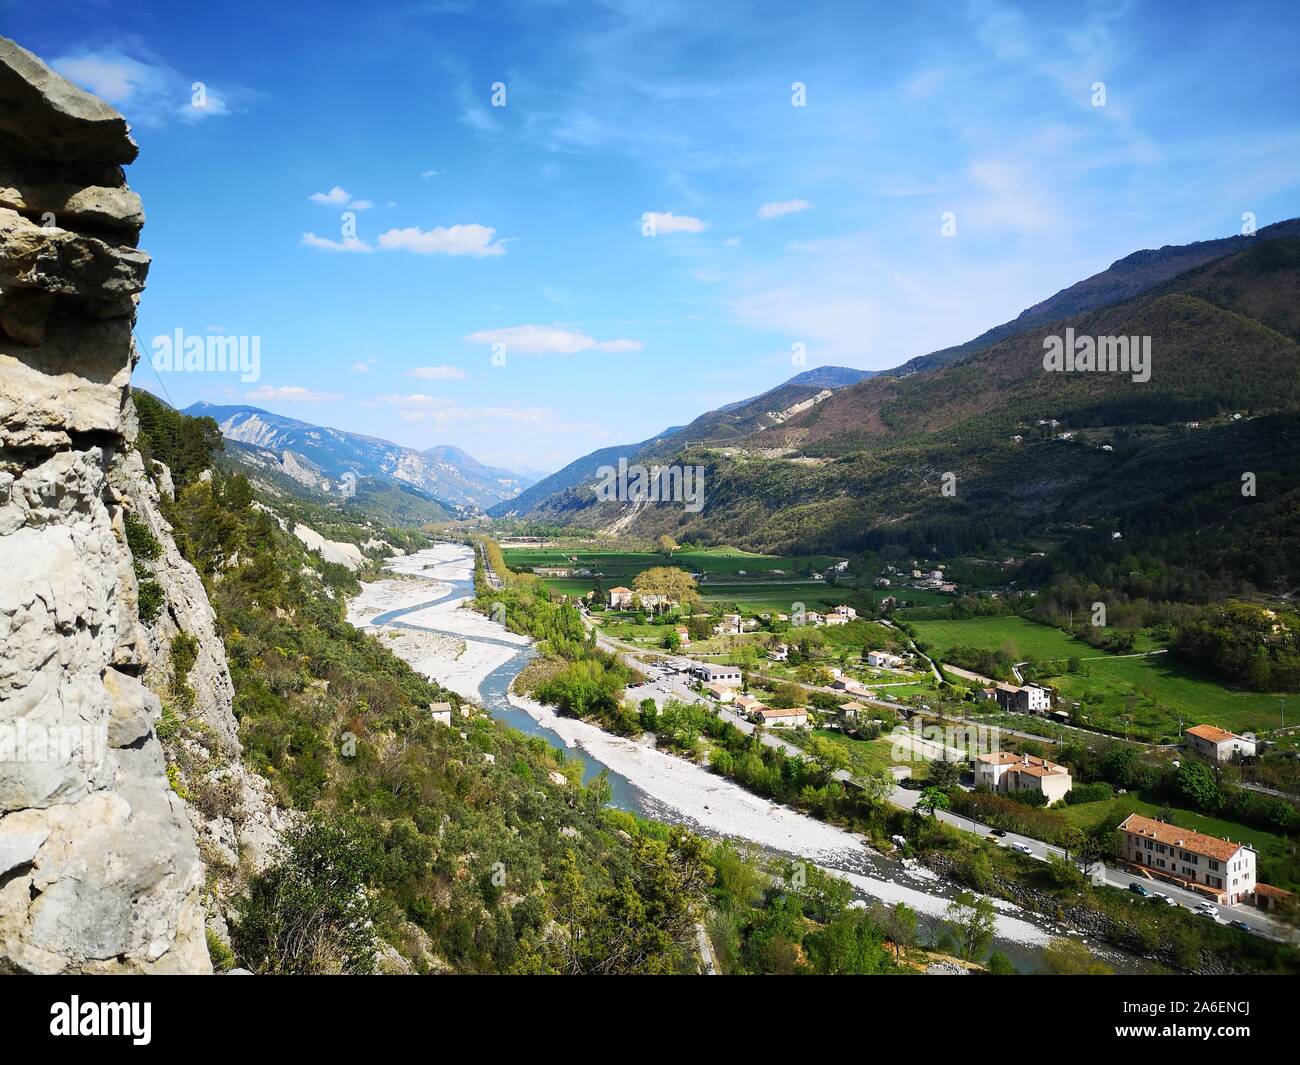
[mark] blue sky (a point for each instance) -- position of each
(776, 225)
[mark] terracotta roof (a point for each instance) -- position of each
(620, 588)
(1271, 892)
(1185, 838)
(1022, 760)
(1212, 733)
(767, 711)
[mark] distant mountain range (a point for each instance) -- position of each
(806, 467)
(319, 457)
(733, 422)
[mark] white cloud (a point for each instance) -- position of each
(363, 367)
(667, 222)
(149, 92)
(340, 197)
(290, 394)
(549, 340)
(426, 174)
(325, 244)
(437, 373)
(336, 197)
(782, 207)
(471, 239)
(731, 242)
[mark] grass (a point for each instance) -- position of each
(1145, 697)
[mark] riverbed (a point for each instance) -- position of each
(419, 612)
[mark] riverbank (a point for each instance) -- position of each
(428, 589)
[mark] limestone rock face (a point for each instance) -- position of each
(99, 866)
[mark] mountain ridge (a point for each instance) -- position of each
(446, 473)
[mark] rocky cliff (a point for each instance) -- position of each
(100, 868)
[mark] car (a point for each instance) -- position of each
(1206, 913)
(1241, 925)
(1138, 889)
(1167, 900)
(1207, 907)
(1022, 848)
(998, 832)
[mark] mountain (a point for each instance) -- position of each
(1123, 279)
(1032, 451)
(726, 424)
(316, 455)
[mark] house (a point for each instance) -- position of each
(711, 674)
(776, 718)
(620, 598)
(850, 710)
(730, 625)
(884, 660)
(882, 582)
(848, 684)
(441, 713)
(836, 619)
(1024, 698)
(1268, 897)
(683, 636)
(1007, 772)
(723, 693)
(747, 704)
(811, 617)
(551, 571)
(846, 612)
(779, 653)
(1213, 866)
(888, 603)
(1218, 745)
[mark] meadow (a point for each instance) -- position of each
(1145, 697)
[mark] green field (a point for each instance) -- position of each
(1146, 696)
(713, 562)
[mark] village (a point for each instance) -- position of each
(804, 673)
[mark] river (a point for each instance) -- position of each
(418, 612)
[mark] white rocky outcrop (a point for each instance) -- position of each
(341, 554)
(99, 867)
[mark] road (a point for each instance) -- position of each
(668, 685)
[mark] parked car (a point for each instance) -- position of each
(1207, 907)
(1240, 924)
(1138, 889)
(997, 832)
(1022, 848)
(1167, 900)
(1206, 913)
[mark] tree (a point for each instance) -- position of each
(671, 581)
(667, 545)
(943, 773)
(932, 800)
(899, 924)
(972, 920)
(1195, 784)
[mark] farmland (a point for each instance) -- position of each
(752, 582)
(1146, 697)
